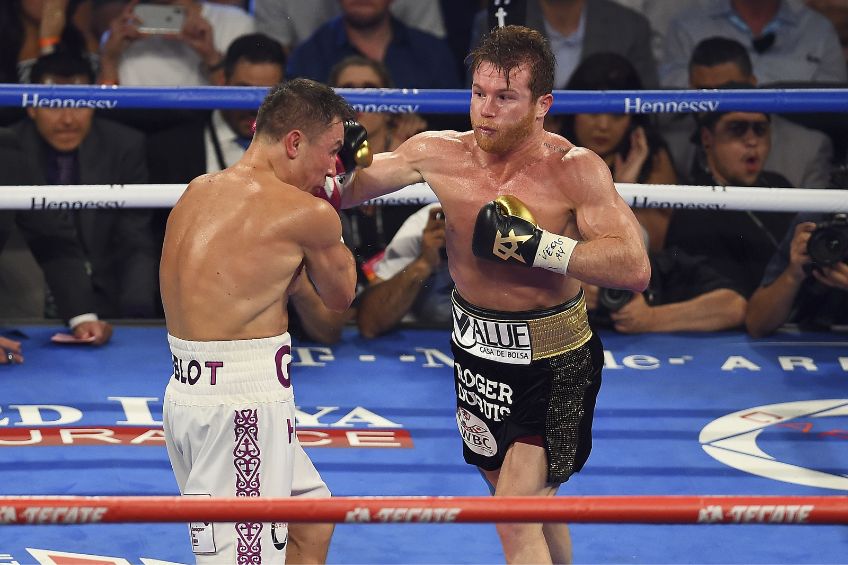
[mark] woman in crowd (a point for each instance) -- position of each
(385, 131)
(628, 143)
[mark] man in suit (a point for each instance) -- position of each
(67, 145)
(800, 154)
(218, 140)
(579, 28)
(52, 240)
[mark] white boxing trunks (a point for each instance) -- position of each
(229, 422)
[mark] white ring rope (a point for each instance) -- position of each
(80, 197)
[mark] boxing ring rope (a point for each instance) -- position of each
(819, 510)
(404, 100)
(436, 101)
(81, 197)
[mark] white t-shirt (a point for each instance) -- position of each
(231, 151)
(433, 303)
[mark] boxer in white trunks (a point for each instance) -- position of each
(235, 244)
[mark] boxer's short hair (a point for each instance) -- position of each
(302, 104)
(511, 47)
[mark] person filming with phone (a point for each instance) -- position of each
(170, 42)
(411, 278)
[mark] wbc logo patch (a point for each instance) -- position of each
(475, 433)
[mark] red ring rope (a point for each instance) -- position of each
(594, 509)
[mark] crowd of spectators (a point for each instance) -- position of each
(713, 270)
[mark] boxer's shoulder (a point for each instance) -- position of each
(442, 140)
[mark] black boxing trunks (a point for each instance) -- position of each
(525, 374)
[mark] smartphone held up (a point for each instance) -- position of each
(159, 19)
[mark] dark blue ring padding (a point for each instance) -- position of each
(433, 101)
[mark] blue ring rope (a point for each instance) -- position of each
(432, 101)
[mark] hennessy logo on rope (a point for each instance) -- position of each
(506, 247)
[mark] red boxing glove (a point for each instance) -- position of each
(335, 185)
(354, 154)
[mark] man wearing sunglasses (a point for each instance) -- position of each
(800, 154)
(737, 243)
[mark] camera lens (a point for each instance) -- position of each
(614, 299)
(828, 244)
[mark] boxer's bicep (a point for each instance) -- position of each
(388, 172)
(329, 263)
(611, 253)
(599, 210)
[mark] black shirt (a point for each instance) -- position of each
(737, 243)
(676, 277)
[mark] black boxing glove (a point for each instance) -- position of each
(355, 151)
(354, 154)
(506, 231)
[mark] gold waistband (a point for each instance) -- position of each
(561, 332)
(551, 334)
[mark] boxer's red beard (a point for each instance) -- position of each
(507, 137)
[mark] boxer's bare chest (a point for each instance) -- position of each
(463, 186)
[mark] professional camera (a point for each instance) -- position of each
(828, 244)
(613, 299)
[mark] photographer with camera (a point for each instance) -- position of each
(685, 294)
(806, 281)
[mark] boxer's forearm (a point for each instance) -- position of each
(319, 322)
(611, 263)
(388, 172)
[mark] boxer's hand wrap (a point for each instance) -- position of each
(506, 231)
(354, 154)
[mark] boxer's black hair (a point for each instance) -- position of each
(511, 47)
(302, 104)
